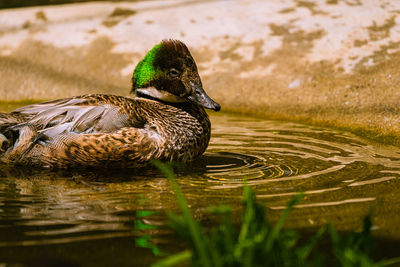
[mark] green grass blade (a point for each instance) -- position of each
(175, 259)
(279, 225)
(389, 262)
(197, 234)
(247, 223)
(248, 215)
(306, 250)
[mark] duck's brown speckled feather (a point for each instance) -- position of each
(103, 130)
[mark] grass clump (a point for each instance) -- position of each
(257, 243)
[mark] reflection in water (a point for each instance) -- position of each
(343, 177)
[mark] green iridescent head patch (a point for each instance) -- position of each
(145, 70)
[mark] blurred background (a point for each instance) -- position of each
(326, 62)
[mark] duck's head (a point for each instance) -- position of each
(169, 73)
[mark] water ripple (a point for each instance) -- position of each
(341, 175)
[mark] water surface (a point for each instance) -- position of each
(117, 217)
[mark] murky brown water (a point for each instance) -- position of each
(101, 217)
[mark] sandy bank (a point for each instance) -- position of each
(325, 62)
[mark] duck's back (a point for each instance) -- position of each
(99, 130)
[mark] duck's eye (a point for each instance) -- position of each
(173, 73)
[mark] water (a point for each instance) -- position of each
(100, 218)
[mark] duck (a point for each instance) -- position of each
(164, 120)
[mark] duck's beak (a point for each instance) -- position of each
(200, 97)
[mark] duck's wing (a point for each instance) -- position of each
(87, 131)
(85, 114)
